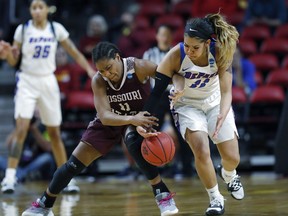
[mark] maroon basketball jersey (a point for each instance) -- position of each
(130, 97)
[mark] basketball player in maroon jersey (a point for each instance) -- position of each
(120, 89)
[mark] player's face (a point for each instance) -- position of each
(164, 37)
(110, 68)
(195, 48)
(39, 10)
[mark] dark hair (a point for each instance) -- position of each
(104, 50)
(47, 2)
(214, 26)
(169, 27)
(199, 27)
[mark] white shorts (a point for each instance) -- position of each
(40, 91)
(201, 115)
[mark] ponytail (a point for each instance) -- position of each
(227, 38)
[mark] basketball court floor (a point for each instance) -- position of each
(266, 195)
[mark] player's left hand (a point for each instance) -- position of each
(219, 123)
(175, 96)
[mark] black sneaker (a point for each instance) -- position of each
(216, 207)
(234, 187)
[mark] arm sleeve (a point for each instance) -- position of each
(161, 83)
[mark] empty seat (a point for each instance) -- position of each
(152, 10)
(173, 20)
(264, 61)
(247, 46)
(257, 32)
(265, 107)
(238, 95)
(278, 77)
(281, 31)
(80, 100)
(278, 46)
(142, 23)
(239, 104)
(268, 94)
(285, 62)
(183, 8)
(258, 76)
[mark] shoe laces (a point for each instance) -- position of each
(215, 202)
(235, 183)
(36, 204)
(166, 201)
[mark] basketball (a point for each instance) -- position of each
(158, 150)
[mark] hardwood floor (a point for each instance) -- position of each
(265, 195)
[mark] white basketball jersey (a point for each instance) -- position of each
(200, 82)
(39, 47)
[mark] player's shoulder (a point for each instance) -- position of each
(57, 25)
(174, 53)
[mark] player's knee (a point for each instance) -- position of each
(74, 166)
(133, 140)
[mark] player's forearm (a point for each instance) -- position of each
(11, 60)
(112, 119)
(225, 103)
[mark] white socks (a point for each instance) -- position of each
(213, 192)
(228, 175)
(10, 173)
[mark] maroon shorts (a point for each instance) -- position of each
(102, 137)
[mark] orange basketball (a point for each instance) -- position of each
(158, 150)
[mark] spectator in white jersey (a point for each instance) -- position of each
(164, 38)
(36, 40)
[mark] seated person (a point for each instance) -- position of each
(36, 161)
(243, 72)
(96, 31)
(268, 12)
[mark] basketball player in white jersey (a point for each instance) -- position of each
(201, 101)
(37, 41)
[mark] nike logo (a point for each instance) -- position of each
(193, 30)
(184, 69)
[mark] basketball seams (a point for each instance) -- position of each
(162, 147)
(171, 147)
(150, 150)
(155, 150)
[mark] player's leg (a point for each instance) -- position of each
(227, 144)
(193, 126)
(49, 105)
(96, 141)
(199, 142)
(164, 198)
(82, 157)
(25, 101)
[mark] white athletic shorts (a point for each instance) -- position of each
(201, 115)
(40, 91)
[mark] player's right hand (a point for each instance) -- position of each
(5, 49)
(144, 119)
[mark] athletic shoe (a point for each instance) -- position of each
(216, 206)
(166, 204)
(8, 185)
(38, 209)
(234, 187)
(71, 187)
